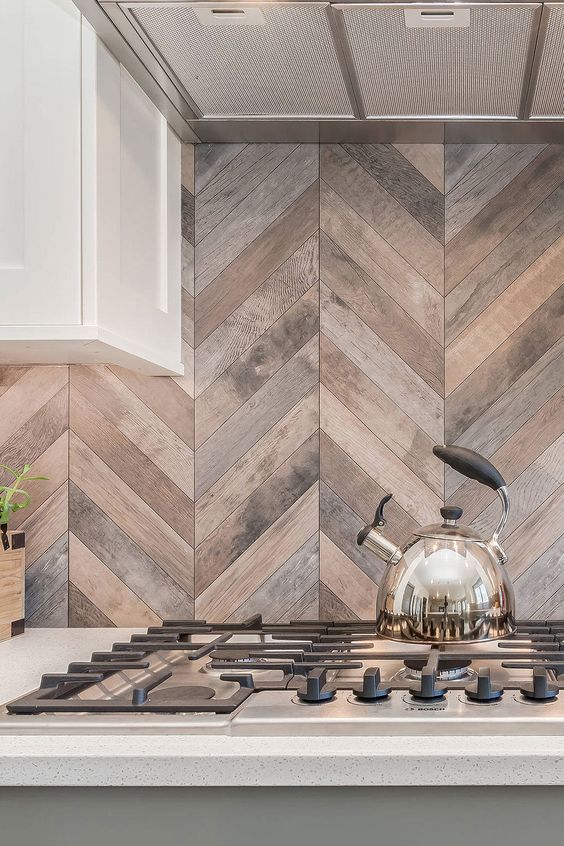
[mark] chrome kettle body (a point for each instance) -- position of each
(447, 583)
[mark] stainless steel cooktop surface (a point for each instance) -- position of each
(308, 678)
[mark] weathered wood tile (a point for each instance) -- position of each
(428, 159)
(346, 580)
(83, 614)
(257, 262)
(360, 492)
(287, 587)
(486, 179)
(382, 416)
(404, 182)
(513, 358)
(103, 592)
(125, 558)
(332, 608)
(257, 314)
(244, 428)
(381, 364)
(506, 314)
(460, 159)
(235, 182)
(269, 552)
(383, 315)
(503, 214)
(383, 213)
(504, 264)
(248, 219)
(131, 514)
(45, 578)
(505, 356)
(372, 253)
(258, 512)
(257, 364)
(137, 422)
(138, 472)
(255, 467)
(377, 460)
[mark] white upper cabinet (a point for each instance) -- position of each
(89, 202)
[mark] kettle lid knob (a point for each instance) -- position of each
(451, 512)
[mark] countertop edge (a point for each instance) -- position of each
(195, 761)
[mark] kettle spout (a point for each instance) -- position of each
(373, 538)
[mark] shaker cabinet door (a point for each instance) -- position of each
(40, 149)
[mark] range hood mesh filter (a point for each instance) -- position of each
(473, 71)
(548, 99)
(287, 67)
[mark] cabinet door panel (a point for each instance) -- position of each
(137, 219)
(40, 223)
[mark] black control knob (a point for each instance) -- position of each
(371, 689)
(482, 690)
(428, 690)
(316, 689)
(541, 690)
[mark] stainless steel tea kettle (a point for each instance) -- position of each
(447, 583)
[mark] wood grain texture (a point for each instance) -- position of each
(131, 508)
(257, 377)
(315, 371)
(505, 353)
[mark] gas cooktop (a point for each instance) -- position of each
(313, 677)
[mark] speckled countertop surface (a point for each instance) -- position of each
(167, 760)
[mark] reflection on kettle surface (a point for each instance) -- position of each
(447, 583)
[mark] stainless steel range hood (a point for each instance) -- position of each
(252, 71)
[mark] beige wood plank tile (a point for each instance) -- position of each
(46, 525)
(257, 464)
(262, 559)
(26, 396)
(427, 158)
(236, 181)
(536, 534)
(257, 313)
(130, 464)
(504, 366)
(382, 314)
(52, 463)
(128, 511)
(486, 179)
(265, 408)
(383, 213)
(282, 592)
(262, 507)
(255, 366)
(511, 309)
(378, 460)
(356, 238)
(137, 422)
(105, 590)
(346, 580)
(385, 419)
(255, 213)
(381, 364)
(257, 262)
(503, 214)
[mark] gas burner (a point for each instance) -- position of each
(448, 669)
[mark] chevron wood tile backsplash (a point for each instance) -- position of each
(345, 307)
(257, 381)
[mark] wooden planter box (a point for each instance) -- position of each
(12, 586)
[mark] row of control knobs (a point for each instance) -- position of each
(316, 689)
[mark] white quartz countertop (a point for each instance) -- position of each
(186, 760)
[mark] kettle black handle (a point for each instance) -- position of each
(470, 464)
